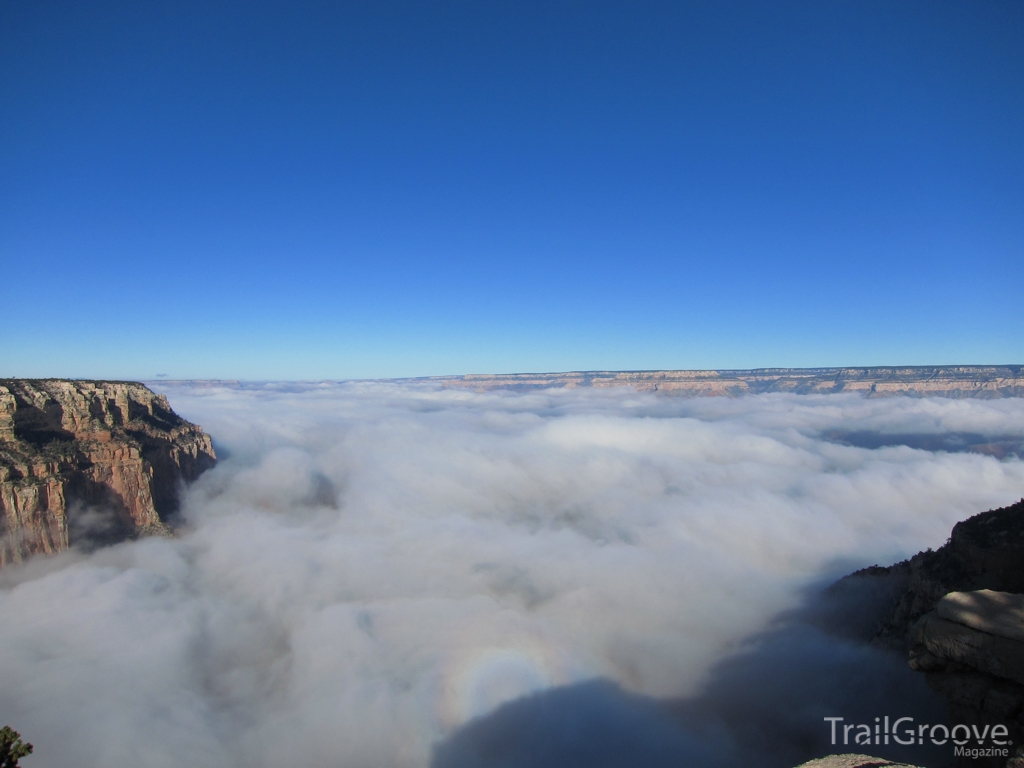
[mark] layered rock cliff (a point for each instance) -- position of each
(89, 462)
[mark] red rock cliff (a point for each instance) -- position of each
(89, 462)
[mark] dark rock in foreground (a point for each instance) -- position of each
(852, 761)
(959, 613)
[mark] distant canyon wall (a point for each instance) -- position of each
(89, 461)
(986, 381)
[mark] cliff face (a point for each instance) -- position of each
(89, 462)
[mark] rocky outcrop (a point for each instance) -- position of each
(995, 613)
(89, 462)
(937, 641)
(984, 552)
(852, 761)
(959, 614)
(985, 381)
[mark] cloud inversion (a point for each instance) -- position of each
(372, 566)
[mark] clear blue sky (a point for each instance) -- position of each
(306, 190)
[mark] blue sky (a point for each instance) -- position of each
(331, 190)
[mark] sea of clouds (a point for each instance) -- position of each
(373, 569)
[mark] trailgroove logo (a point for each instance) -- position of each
(988, 740)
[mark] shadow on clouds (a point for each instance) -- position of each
(761, 707)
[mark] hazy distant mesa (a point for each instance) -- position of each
(984, 381)
(958, 381)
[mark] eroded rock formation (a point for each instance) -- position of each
(90, 462)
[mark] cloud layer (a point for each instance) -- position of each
(374, 565)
